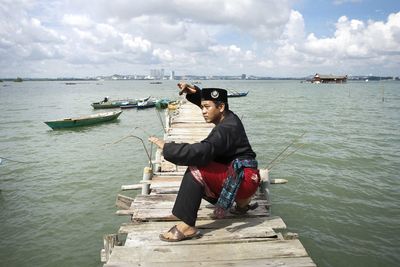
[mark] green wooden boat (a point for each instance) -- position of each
(84, 120)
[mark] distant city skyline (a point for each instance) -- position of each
(274, 38)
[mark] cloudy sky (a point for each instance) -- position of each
(64, 38)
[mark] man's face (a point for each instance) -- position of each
(211, 112)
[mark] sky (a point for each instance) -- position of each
(274, 38)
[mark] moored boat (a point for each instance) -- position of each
(162, 103)
(134, 104)
(108, 103)
(83, 120)
(237, 94)
(149, 103)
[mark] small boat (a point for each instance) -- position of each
(134, 104)
(237, 94)
(149, 103)
(162, 103)
(107, 103)
(84, 120)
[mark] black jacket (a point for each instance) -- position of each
(226, 142)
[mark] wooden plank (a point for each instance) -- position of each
(199, 130)
(273, 222)
(123, 202)
(154, 199)
(180, 125)
(281, 262)
(165, 214)
(153, 185)
(207, 253)
(154, 209)
(171, 173)
(216, 236)
(170, 178)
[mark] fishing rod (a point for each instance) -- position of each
(271, 166)
(284, 150)
(17, 161)
(149, 134)
(144, 146)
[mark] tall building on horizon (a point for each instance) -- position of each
(157, 74)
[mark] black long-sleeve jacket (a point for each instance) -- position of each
(226, 142)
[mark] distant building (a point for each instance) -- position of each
(243, 76)
(157, 74)
(172, 76)
(320, 78)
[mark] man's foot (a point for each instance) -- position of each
(180, 232)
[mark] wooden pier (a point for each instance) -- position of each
(253, 239)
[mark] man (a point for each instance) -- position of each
(222, 168)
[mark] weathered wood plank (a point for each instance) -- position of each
(207, 253)
(155, 209)
(123, 202)
(281, 262)
(273, 222)
(165, 214)
(182, 125)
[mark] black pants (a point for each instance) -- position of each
(188, 200)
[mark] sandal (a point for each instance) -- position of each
(179, 236)
(241, 211)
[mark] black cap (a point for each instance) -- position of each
(214, 94)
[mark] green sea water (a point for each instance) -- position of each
(343, 195)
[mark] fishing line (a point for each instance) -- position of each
(159, 117)
(149, 155)
(146, 132)
(284, 150)
(17, 161)
(286, 156)
(144, 146)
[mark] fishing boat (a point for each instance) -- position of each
(162, 103)
(232, 93)
(84, 120)
(107, 103)
(133, 104)
(149, 103)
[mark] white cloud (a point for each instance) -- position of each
(163, 55)
(136, 43)
(340, 2)
(192, 36)
(80, 21)
(356, 39)
(355, 44)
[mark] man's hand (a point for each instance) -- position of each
(186, 88)
(159, 143)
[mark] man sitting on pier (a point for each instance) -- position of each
(222, 168)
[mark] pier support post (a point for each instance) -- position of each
(264, 186)
(110, 241)
(157, 165)
(147, 175)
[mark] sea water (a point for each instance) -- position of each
(58, 188)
